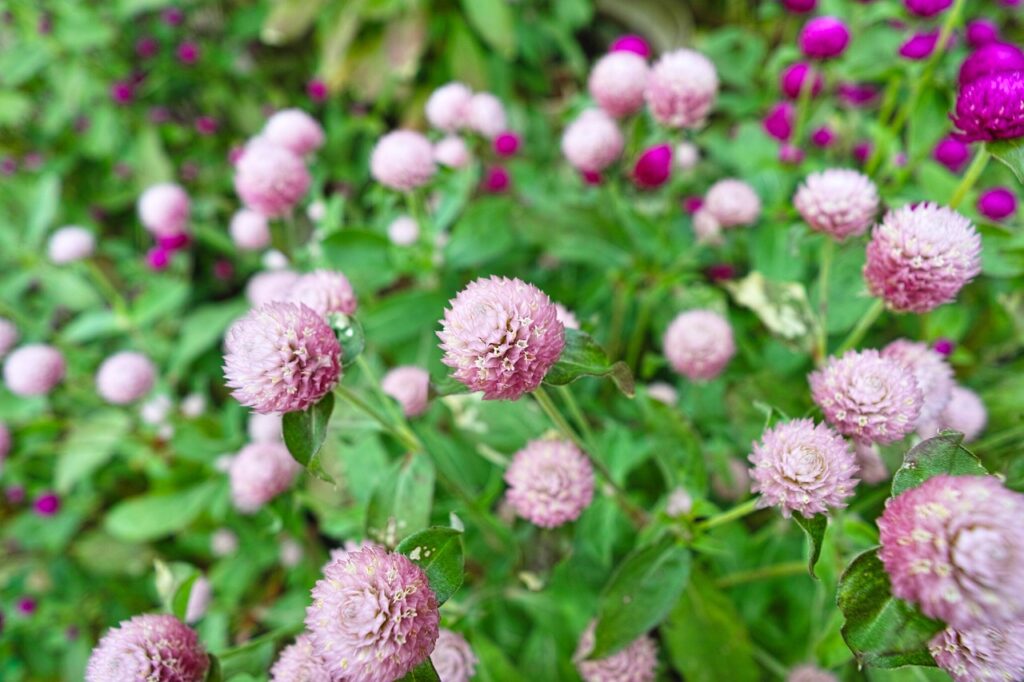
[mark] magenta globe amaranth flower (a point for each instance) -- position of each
(297, 662)
(920, 257)
(453, 657)
(985, 653)
(259, 473)
(779, 120)
(839, 202)
(800, 6)
(325, 291)
(981, 32)
(681, 89)
(550, 482)
(927, 8)
(270, 179)
(295, 130)
(447, 108)
(954, 546)
(997, 203)
(122, 92)
(125, 377)
(791, 154)
(317, 90)
(249, 230)
(919, 46)
(794, 77)
(991, 59)
(403, 160)
(70, 244)
(506, 144)
(410, 386)
(824, 38)
(32, 370)
(592, 142)
(373, 617)
(991, 108)
(733, 203)
(281, 357)
(617, 83)
(823, 137)
(637, 662)
(501, 336)
(951, 153)
(631, 43)
(47, 504)
(158, 258)
(163, 209)
(187, 53)
(699, 344)
(654, 167)
(867, 397)
(497, 179)
(155, 648)
(933, 374)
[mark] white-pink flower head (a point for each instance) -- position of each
(263, 428)
(592, 142)
(699, 344)
(249, 230)
(8, 335)
(706, 227)
(810, 673)
(259, 473)
(681, 89)
(269, 286)
(732, 202)
(34, 369)
(154, 648)
(198, 599)
(410, 386)
(295, 130)
(297, 662)
(871, 467)
(163, 209)
(617, 83)
(487, 115)
(838, 202)
(69, 244)
(281, 357)
(566, 317)
(501, 336)
(125, 377)
(451, 152)
(663, 392)
(453, 657)
(933, 374)
(635, 663)
(686, 155)
(403, 160)
(447, 107)
(550, 482)
(325, 291)
(965, 412)
(373, 617)
(403, 231)
(982, 654)
(270, 179)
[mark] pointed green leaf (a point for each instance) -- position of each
(582, 356)
(148, 517)
(214, 672)
(401, 503)
(305, 432)
(1011, 153)
(943, 454)
(438, 551)
(424, 672)
(815, 529)
(174, 583)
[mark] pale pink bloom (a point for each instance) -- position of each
(566, 317)
(592, 142)
(193, 405)
(290, 553)
(964, 413)
(550, 482)
(706, 227)
(933, 374)
(982, 654)
(663, 392)
(155, 410)
(125, 377)
(451, 152)
(163, 210)
(679, 503)
(403, 160)
(686, 156)
(264, 428)
(410, 386)
(298, 663)
(635, 663)
(249, 230)
(5, 443)
(325, 291)
(871, 467)
(69, 244)
(154, 648)
(295, 130)
(34, 369)
(487, 115)
(810, 673)
(403, 231)
(617, 83)
(732, 202)
(316, 211)
(269, 286)
(270, 179)
(447, 107)
(838, 202)
(259, 473)
(223, 542)
(699, 344)
(8, 335)
(453, 657)
(681, 89)
(198, 599)
(735, 483)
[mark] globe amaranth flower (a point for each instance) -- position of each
(451, 152)
(867, 397)
(663, 392)
(155, 648)
(566, 317)
(297, 662)
(794, 76)
(810, 673)
(617, 83)
(631, 43)
(198, 599)
(264, 428)
(699, 344)
(270, 179)
(637, 662)
(997, 203)
(981, 32)
(486, 115)
(681, 89)
(800, 466)
(259, 473)
(933, 374)
(991, 59)
(919, 257)
(295, 130)
(403, 160)
(800, 6)
(954, 546)
(779, 120)
(654, 167)
(732, 202)
(125, 377)
(403, 231)
(496, 179)
(686, 155)
(249, 230)
(265, 287)
(965, 412)
(982, 654)
(951, 153)
(373, 617)
(34, 369)
(447, 108)
(991, 108)
(871, 467)
(824, 38)
(857, 95)
(501, 336)
(410, 386)
(325, 291)
(223, 542)
(839, 202)
(927, 8)
(281, 357)
(550, 482)
(453, 657)
(69, 244)
(592, 142)
(8, 335)
(506, 144)
(163, 209)
(919, 46)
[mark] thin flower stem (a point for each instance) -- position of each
(974, 172)
(763, 573)
(407, 439)
(737, 512)
(828, 250)
(577, 414)
(863, 324)
(769, 662)
(272, 636)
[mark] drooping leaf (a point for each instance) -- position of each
(438, 551)
(148, 517)
(305, 432)
(942, 454)
(582, 356)
(401, 503)
(1011, 153)
(815, 529)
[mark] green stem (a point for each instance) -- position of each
(109, 291)
(636, 340)
(828, 250)
(737, 512)
(974, 172)
(762, 573)
(803, 108)
(769, 661)
(863, 324)
(885, 111)
(271, 636)
(408, 440)
(576, 413)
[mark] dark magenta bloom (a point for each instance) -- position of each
(172, 16)
(800, 6)
(823, 137)
(991, 108)
(779, 121)
(223, 269)
(33, 161)
(188, 53)
(944, 346)
(824, 38)
(592, 178)
(997, 203)
(992, 58)
(158, 258)
(919, 46)
(861, 151)
(981, 32)
(147, 47)
(857, 94)
(951, 153)
(720, 272)
(927, 8)
(692, 204)
(122, 92)
(506, 144)
(317, 90)
(792, 80)
(9, 165)
(206, 125)
(159, 115)
(26, 606)
(654, 167)
(174, 242)
(631, 43)
(497, 180)
(47, 504)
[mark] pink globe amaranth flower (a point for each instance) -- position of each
(33, 370)
(5, 442)
(506, 144)
(453, 657)
(264, 428)
(122, 92)
(265, 287)
(281, 357)
(944, 346)
(157, 648)
(965, 412)
(205, 125)
(654, 167)
(223, 542)
(990, 108)
(410, 386)
(172, 16)
(486, 115)
(981, 32)
(790, 154)
(631, 43)
(317, 90)
(259, 473)
(824, 38)
(778, 122)
(861, 151)
(125, 377)
(496, 180)
(867, 397)
(403, 160)
(198, 600)
(297, 662)
(146, 47)
(325, 291)
(927, 8)
(617, 83)
(997, 203)
(954, 546)
(249, 230)
(295, 130)
(566, 317)
(686, 155)
(933, 374)
(870, 465)
(451, 152)
(501, 336)
(802, 467)
(69, 244)
(839, 202)
(951, 153)
(793, 77)
(733, 202)
(919, 257)
(550, 482)
(637, 662)
(592, 142)
(981, 654)
(692, 204)
(47, 504)
(919, 46)
(800, 6)
(989, 60)
(720, 272)
(699, 344)
(373, 617)
(823, 137)
(663, 392)
(163, 209)
(810, 673)
(706, 227)
(447, 108)
(681, 89)
(187, 53)
(679, 502)
(403, 231)
(270, 179)
(158, 258)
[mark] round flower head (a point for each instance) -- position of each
(810, 673)
(298, 663)
(927, 8)
(592, 142)
(265, 287)
(800, 6)
(824, 38)
(163, 209)
(989, 108)
(33, 370)
(838, 202)
(681, 89)
(663, 392)
(933, 374)
(706, 227)
(965, 412)
(733, 202)
(325, 291)
(631, 43)
(125, 377)
(981, 32)
(403, 231)
(679, 503)
(867, 397)
(919, 45)
(919, 257)
(270, 179)
(451, 152)
(487, 115)
(8, 335)
(997, 203)
(69, 244)
(155, 648)
(779, 120)
(501, 336)
(636, 663)
(954, 546)
(871, 467)
(617, 83)
(264, 428)
(373, 617)
(295, 130)
(453, 658)
(991, 59)
(566, 317)
(802, 467)
(403, 160)
(699, 344)
(686, 155)
(550, 482)
(447, 107)
(281, 357)
(249, 230)
(223, 542)
(951, 153)
(259, 473)
(794, 76)
(653, 167)
(410, 386)
(982, 654)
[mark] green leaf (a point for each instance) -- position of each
(350, 335)
(401, 503)
(43, 208)
(640, 594)
(1011, 153)
(881, 630)
(305, 432)
(147, 517)
(174, 583)
(815, 529)
(782, 306)
(201, 331)
(289, 20)
(362, 256)
(481, 234)
(424, 672)
(582, 356)
(942, 454)
(495, 22)
(214, 672)
(89, 445)
(438, 551)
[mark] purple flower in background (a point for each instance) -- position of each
(919, 46)
(206, 125)
(122, 92)
(778, 122)
(857, 94)
(26, 606)
(47, 504)
(990, 108)
(631, 43)
(824, 38)
(506, 144)
(791, 154)
(187, 53)
(147, 47)
(823, 137)
(927, 8)
(497, 180)
(981, 32)
(944, 346)
(158, 115)
(800, 6)
(951, 153)
(792, 79)
(654, 167)
(158, 258)
(992, 58)
(172, 16)
(861, 151)
(997, 203)
(317, 90)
